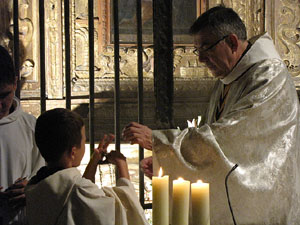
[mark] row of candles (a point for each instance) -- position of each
(182, 191)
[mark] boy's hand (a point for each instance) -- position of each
(115, 157)
(119, 160)
(102, 147)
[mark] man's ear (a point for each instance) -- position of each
(233, 42)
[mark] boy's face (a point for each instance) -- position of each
(79, 152)
(7, 93)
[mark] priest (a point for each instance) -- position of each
(252, 120)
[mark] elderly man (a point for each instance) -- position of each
(252, 121)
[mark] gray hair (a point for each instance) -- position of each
(220, 21)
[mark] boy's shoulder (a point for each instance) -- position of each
(74, 186)
(69, 177)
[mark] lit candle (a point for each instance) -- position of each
(160, 194)
(181, 197)
(200, 203)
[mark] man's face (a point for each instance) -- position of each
(214, 53)
(7, 93)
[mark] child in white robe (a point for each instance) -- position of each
(58, 194)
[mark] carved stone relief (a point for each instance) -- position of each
(54, 58)
(187, 65)
(283, 21)
(28, 34)
(184, 66)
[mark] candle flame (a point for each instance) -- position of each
(199, 181)
(180, 178)
(160, 172)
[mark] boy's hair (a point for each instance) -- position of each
(7, 70)
(57, 131)
(220, 21)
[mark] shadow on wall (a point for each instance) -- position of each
(104, 113)
(190, 100)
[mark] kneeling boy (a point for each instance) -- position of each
(58, 194)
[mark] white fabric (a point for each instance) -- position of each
(265, 42)
(19, 155)
(67, 198)
(258, 129)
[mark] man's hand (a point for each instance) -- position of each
(137, 133)
(13, 198)
(147, 166)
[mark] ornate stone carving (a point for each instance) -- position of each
(187, 65)
(28, 32)
(288, 34)
(54, 58)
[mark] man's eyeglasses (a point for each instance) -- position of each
(204, 51)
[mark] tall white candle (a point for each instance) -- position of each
(181, 197)
(160, 194)
(200, 203)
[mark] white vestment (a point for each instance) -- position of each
(258, 130)
(66, 198)
(19, 155)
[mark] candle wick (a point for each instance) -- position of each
(227, 192)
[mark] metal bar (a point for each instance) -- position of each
(91, 73)
(163, 69)
(67, 53)
(117, 74)
(140, 95)
(17, 45)
(42, 55)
